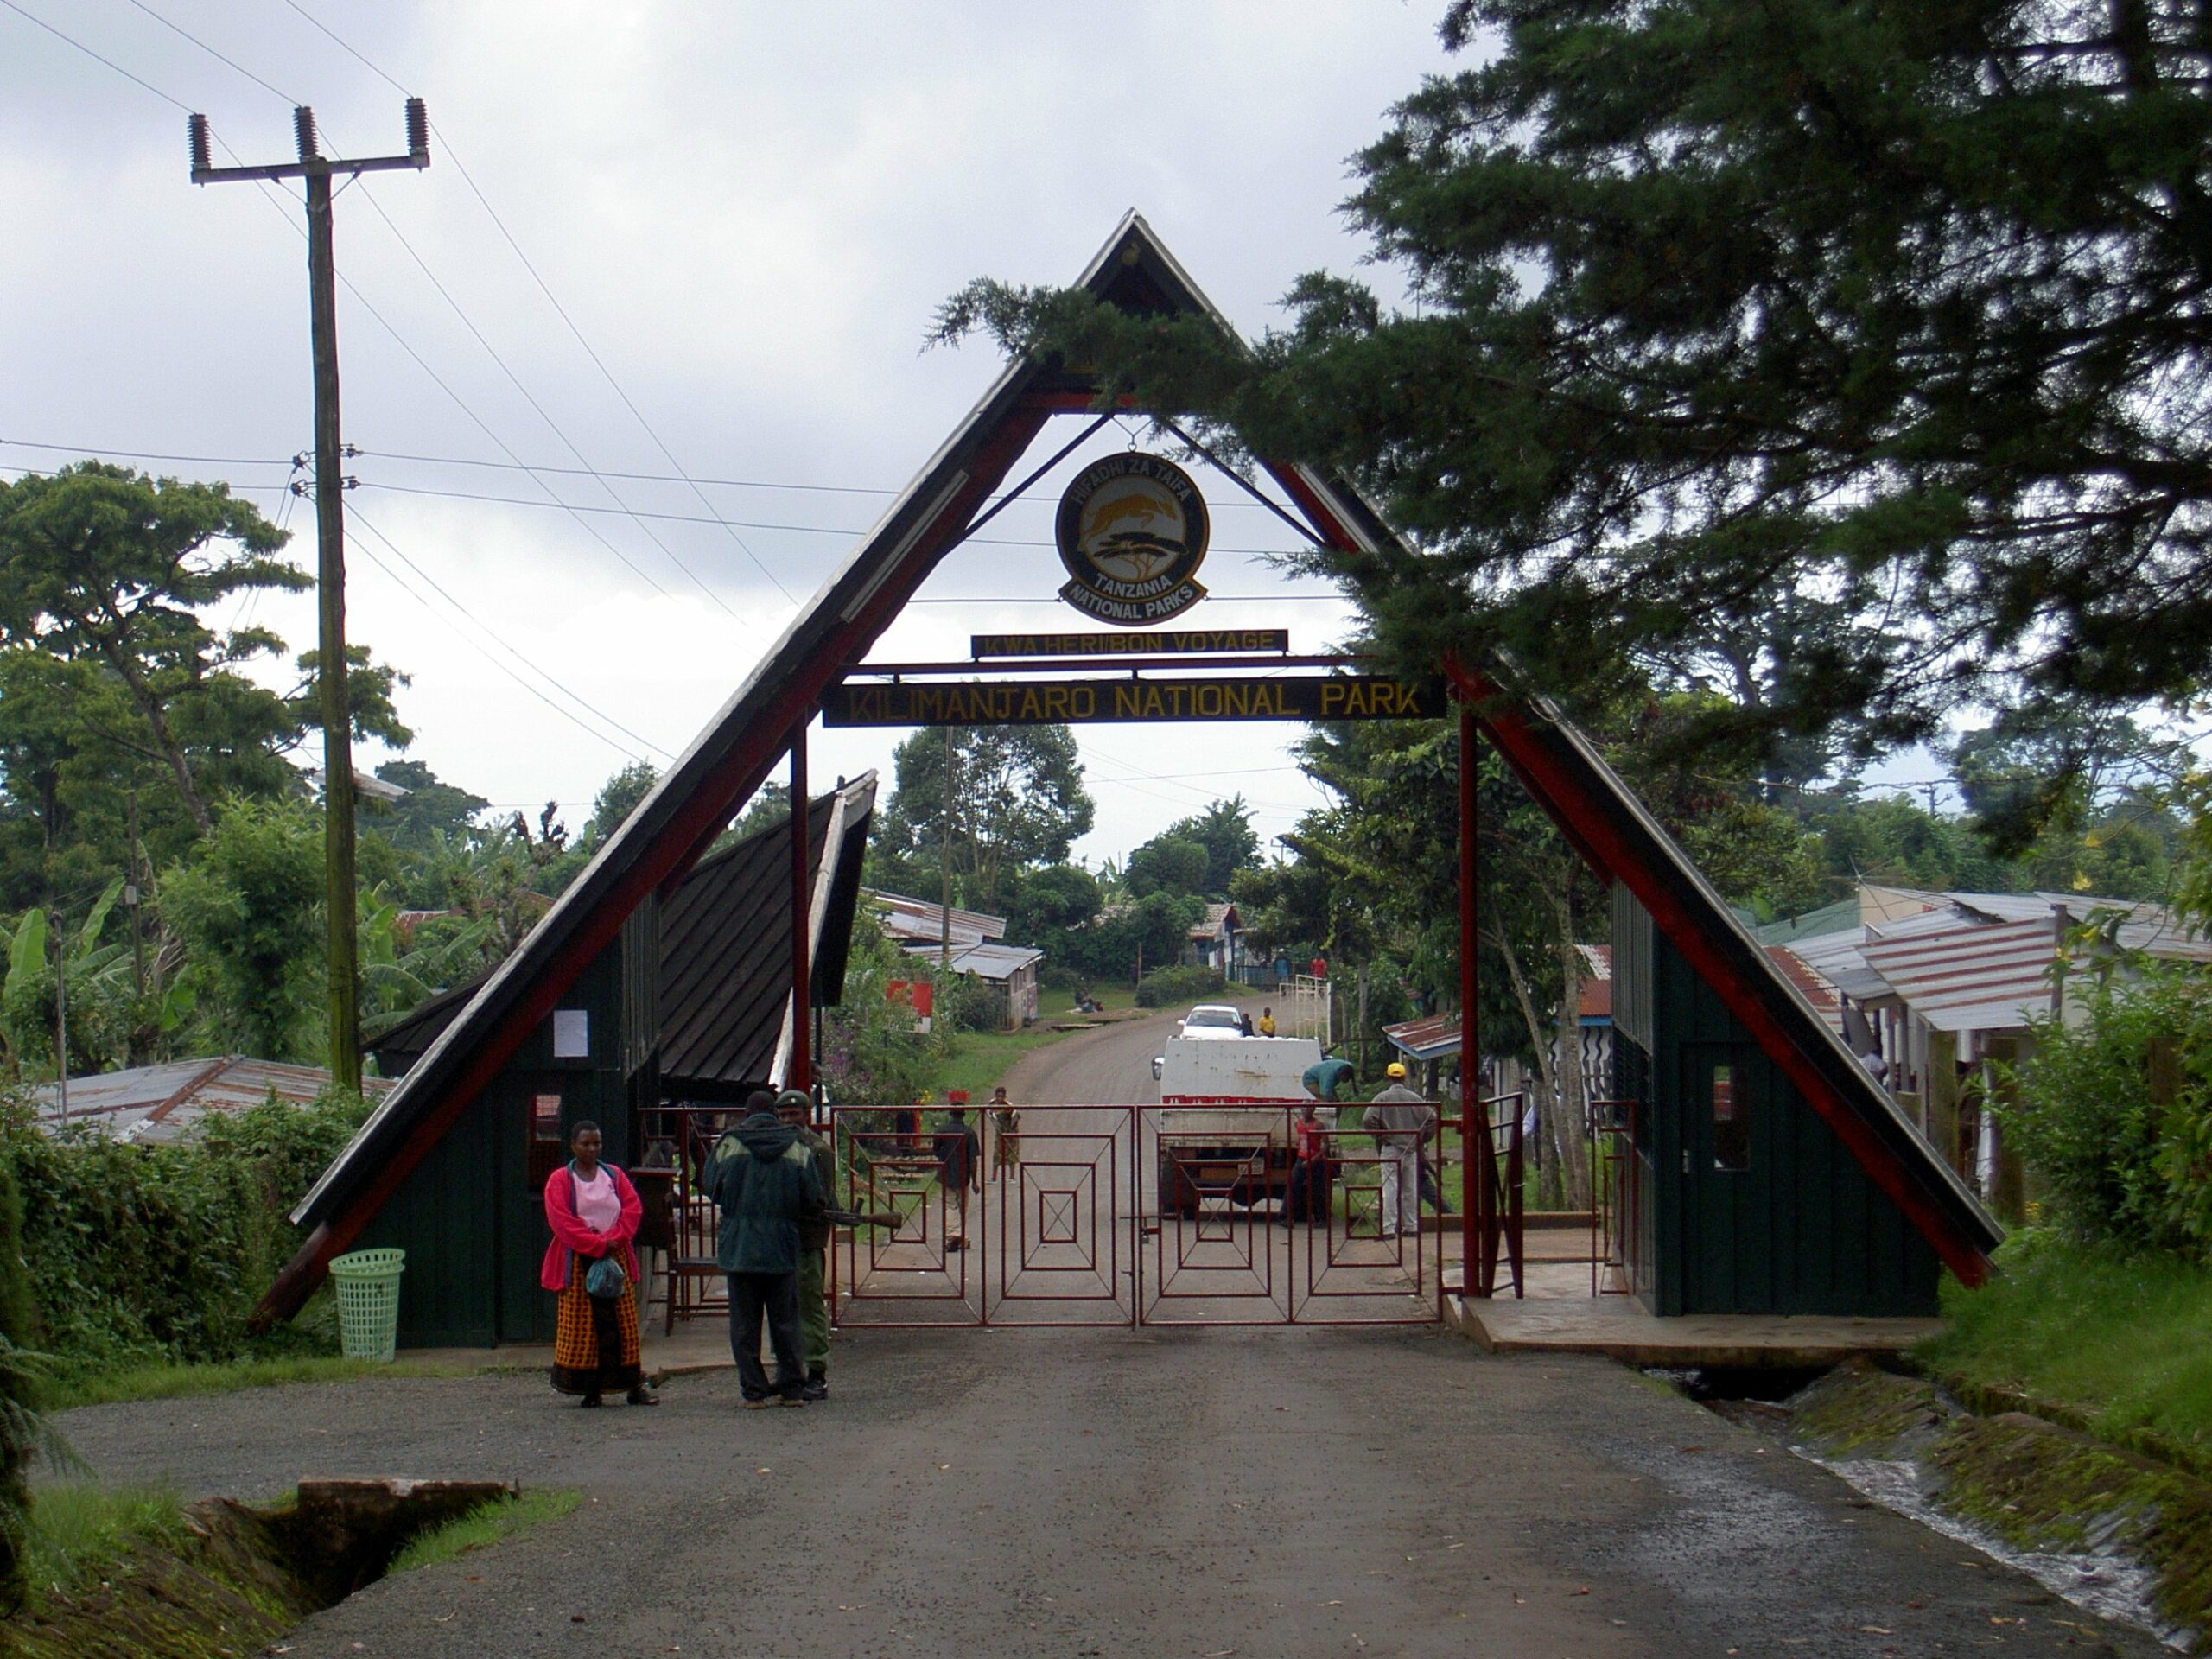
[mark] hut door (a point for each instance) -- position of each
(536, 1109)
(1725, 1179)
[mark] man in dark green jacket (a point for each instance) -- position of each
(765, 1182)
(793, 1107)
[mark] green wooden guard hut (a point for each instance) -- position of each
(691, 998)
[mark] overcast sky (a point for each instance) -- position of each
(750, 212)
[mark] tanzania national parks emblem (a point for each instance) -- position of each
(1132, 532)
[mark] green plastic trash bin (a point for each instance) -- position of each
(368, 1302)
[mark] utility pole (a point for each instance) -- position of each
(317, 170)
(60, 1009)
(131, 897)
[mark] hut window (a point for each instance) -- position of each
(547, 1150)
(1731, 1132)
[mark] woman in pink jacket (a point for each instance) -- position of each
(593, 1212)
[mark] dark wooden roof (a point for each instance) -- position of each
(704, 789)
(725, 956)
(725, 949)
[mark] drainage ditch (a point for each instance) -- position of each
(2117, 1535)
(246, 1574)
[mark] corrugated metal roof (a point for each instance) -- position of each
(1972, 975)
(1434, 1038)
(1841, 917)
(992, 962)
(151, 1104)
(917, 919)
(1218, 921)
(1815, 989)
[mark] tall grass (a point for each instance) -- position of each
(176, 1382)
(78, 1531)
(2124, 1340)
(486, 1524)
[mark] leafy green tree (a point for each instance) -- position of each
(67, 767)
(1128, 937)
(101, 564)
(1052, 901)
(871, 1052)
(431, 808)
(1017, 802)
(1899, 303)
(248, 904)
(1167, 863)
(23, 1433)
(102, 1007)
(1224, 830)
(619, 797)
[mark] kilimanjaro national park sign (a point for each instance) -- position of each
(982, 702)
(1132, 532)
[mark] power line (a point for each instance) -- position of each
(400, 581)
(110, 63)
(233, 63)
(508, 466)
(555, 426)
(96, 450)
(844, 532)
(490, 634)
(569, 322)
(719, 483)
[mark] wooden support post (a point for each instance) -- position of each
(799, 1073)
(2008, 1196)
(1941, 1094)
(1474, 1126)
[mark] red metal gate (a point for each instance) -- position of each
(1112, 1215)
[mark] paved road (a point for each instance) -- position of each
(1067, 1493)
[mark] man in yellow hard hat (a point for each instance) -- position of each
(1399, 1121)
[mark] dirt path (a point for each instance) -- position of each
(1063, 1493)
(1112, 1064)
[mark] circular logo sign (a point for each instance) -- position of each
(1132, 532)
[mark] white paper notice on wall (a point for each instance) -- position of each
(571, 1033)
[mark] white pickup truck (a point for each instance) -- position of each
(1227, 1128)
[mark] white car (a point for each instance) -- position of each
(1211, 1020)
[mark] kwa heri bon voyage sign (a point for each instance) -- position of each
(1132, 532)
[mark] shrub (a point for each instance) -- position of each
(152, 1253)
(1165, 987)
(20, 1427)
(2117, 1166)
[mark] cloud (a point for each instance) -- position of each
(752, 211)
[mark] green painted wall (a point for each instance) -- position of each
(1798, 1227)
(470, 1216)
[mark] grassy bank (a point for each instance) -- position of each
(981, 1059)
(175, 1382)
(2123, 1342)
(483, 1527)
(79, 1531)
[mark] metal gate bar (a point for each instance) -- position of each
(1058, 1238)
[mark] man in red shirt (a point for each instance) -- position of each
(1307, 1197)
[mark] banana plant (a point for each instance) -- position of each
(397, 972)
(98, 974)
